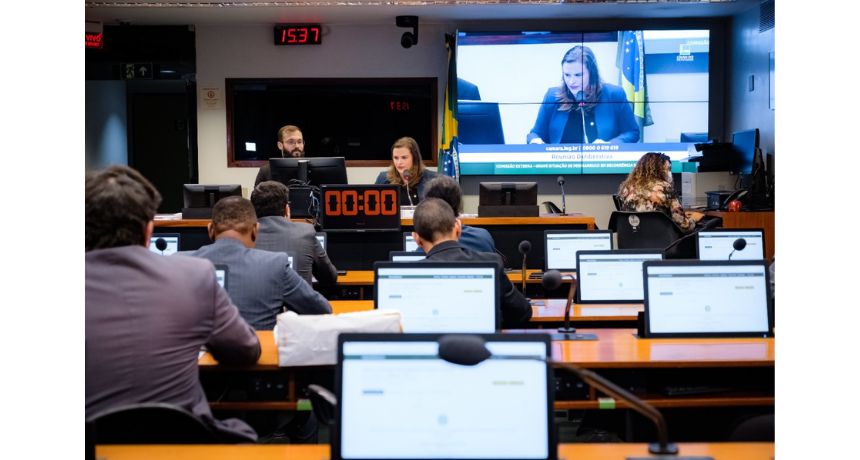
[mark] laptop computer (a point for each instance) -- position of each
(221, 275)
(322, 237)
(718, 244)
(168, 241)
(409, 244)
(706, 298)
(560, 247)
(398, 400)
(440, 296)
(612, 276)
(404, 256)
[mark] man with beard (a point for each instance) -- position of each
(291, 145)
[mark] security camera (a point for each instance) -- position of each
(409, 38)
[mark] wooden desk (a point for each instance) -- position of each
(752, 219)
(719, 451)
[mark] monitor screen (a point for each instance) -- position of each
(205, 196)
(310, 170)
(719, 244)
(168, 244)
(576, 102)
(398, 400)
(706, 298)
(221, 275)
(322, 237)
(561, 246)
(409, 244)
(611, 276)
(439, 296)
(406, 256)
(744, 144)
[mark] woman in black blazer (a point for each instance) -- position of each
(407, 170)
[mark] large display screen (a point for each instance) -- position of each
(570, 102)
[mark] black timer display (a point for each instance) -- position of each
(298, 34)
(360, 207)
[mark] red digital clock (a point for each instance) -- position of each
(298, 34)
(360, 207)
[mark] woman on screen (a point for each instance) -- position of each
(649, 187)
(583, 104)
(407, 170)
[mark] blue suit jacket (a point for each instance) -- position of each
(261, 282)
(612, 115)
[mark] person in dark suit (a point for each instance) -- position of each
(147, 316)
(406, 163)
(448, 190)
(260, 282)
(277, 233)
(291, 143)
(437, 231)
(583, 102)
(467, 91)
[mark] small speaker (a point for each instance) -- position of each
(640, 324)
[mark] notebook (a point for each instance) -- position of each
(170, 242)
(398, 400)
(561, 246)
(439, 296)
(404, 256)
(718, 244)
(409, 244)
(612, 276)
(221, 275)
(697, 298)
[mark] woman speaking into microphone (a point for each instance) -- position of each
(407, 170)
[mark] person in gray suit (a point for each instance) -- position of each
(277, 233)
(147, 315)
(259, 282)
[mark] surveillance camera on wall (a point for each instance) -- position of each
(409, 38)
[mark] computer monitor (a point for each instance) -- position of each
(719, 244)
(397, 399)
(561, 246)
(479, 123)
(406, 256)
(308, 171)
(440, 296)
(706, 298)
(198, 199)
(744, 145)
(168, 245)
(612, 276)
(409, 244)
(508, 199)
(322, 237)
(221, 275)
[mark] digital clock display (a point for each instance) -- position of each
(298, 34)
(360, 207)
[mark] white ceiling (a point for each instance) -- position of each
(175, 12)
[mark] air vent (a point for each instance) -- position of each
(766, 16)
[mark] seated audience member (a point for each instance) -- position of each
(649, 187)
(277, 233)
(437, 231)
(407, 168)
(291, 144)
(147, 316)
(448, 190)
(259, 282)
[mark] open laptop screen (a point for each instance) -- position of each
(719, 244)
(406, 256)
(169, 241)
(612, 276)
(221, 275)
(398, 400)
(439, 296)
(409, 244)
(322, 237)
(706, 298)
(561, 246)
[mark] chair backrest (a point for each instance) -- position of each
(644, 230)
(617, 200)
(760, 428)
(151, 423)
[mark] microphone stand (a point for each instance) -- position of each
(566, 332)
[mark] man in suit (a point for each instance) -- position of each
(147, 315)
(271, 202)
(448, 190)
(437, 232)
(291, 143)
(259, 282)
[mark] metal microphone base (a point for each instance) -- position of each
(668, 452)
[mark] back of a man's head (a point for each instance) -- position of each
(233, 213)
(447, 189)
(120, 202)
(434, 220)
(270, 198)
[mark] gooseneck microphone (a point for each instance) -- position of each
(160, 244)
(738, 245)
(551, 281)
(580, 99)
(563, 203)
(469, 350)
(524, 248)
(406, 177)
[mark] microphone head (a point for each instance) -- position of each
(525, 247)
(463, 349)
(406, 175)
(160, 244)
(739, 244)
(551, 280)
(560, 180)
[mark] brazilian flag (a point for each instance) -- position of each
(448, 158)
(631, 61)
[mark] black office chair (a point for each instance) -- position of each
(617, 201)
(761, 428)
(152, 423)
(323, 403)
(652, 230)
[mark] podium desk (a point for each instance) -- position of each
(719, 451)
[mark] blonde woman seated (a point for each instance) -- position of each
(407, 168)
